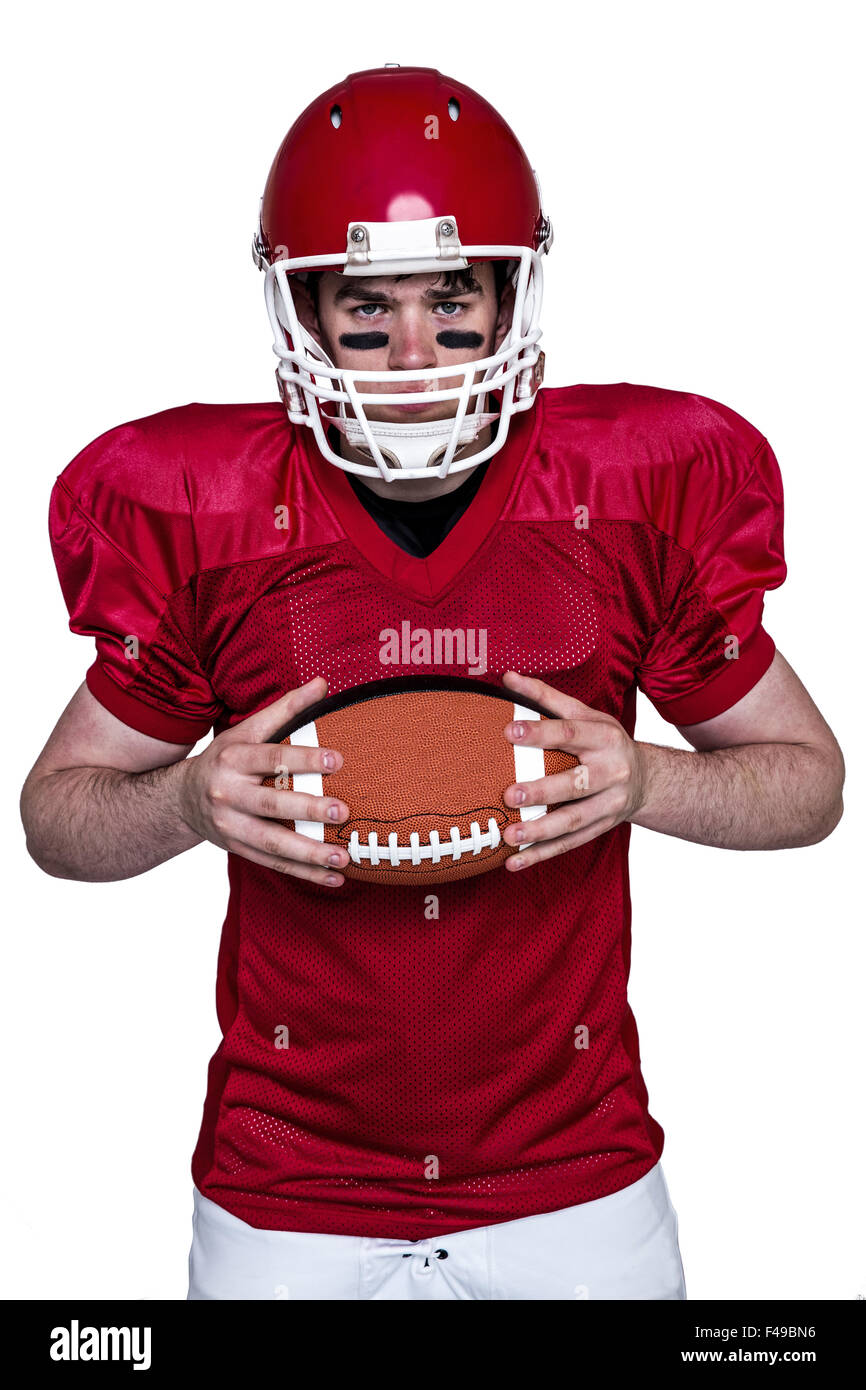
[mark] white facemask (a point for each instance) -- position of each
(309, 380)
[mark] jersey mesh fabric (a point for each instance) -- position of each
(403, 1061)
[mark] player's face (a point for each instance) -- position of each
(410, 324)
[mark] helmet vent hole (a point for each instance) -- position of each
(453, 108)
(336, 117)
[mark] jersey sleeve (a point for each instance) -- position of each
(712, 647)
(123, 549)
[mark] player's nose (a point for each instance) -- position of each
(413, 344)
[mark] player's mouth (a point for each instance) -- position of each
(418, 408)
(411, 407)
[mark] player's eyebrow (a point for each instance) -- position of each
(358, 293)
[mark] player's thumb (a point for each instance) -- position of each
(259, 727)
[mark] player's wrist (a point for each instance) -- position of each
(182, 779)
(645, 779)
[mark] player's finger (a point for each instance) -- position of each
(275, 841)
(575, 735)
(549, 849)
(576, 816)
(551, 791)
(278, 804)
(268, 721)
(313, 873)
(554, 700)
(281, 759)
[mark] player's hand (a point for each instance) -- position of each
(608, 787)
(222, 797)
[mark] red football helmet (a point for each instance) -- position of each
(402, 171)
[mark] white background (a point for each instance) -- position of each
(700, 164)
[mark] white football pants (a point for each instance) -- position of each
(621, 1246)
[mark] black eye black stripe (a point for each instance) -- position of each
(363, 341)
(448, 338)
(455, 338)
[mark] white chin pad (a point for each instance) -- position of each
(423, 445)
(469, 429)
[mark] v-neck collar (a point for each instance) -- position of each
(429, 575)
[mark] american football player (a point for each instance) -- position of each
(414, 1095)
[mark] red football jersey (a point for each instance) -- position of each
(440, 1071)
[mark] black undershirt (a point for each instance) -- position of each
(418, 527)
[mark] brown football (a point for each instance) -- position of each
(425, 767)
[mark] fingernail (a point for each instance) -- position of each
(519, 835)
(518, 730)
(334, 859)
(333, 881)
(516, 863)
(334, 813)
(518, 797)
(329, 762)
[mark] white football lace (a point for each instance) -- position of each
(395, 854)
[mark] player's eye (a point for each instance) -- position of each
(449, 304)
(361, 307)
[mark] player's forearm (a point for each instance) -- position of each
(759, 796)
(98, 824)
